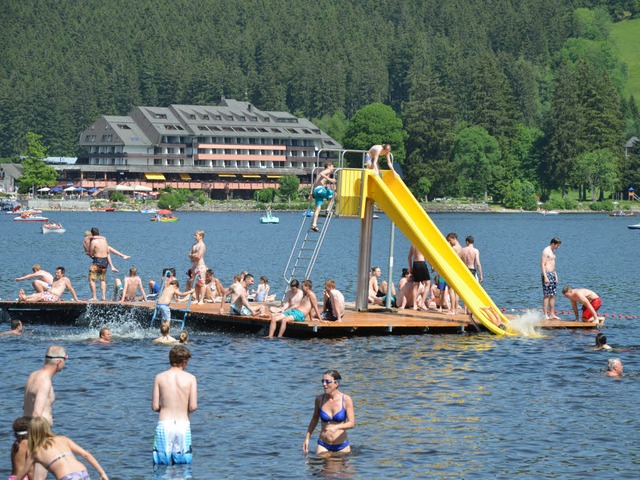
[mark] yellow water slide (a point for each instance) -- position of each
(395, 199)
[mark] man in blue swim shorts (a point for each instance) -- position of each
(322, 192)
(175, 396)
(308, 303)
(239, 301)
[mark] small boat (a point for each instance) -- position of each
(375, 216)
(149, 210)
(268, 217)
(622, 214)
(549, 212)
(53, 228)
(634, 227)
(164, 216)
(30, 217)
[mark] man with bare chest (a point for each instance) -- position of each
(549, 279)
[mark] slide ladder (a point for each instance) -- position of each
(395, 199)
(307, 246)
(182, 312)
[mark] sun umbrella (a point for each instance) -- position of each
(94, 190)
(56, 189)
(80, 189)
(141, 188)
(44, 189)
(165, 212)
(70, 189)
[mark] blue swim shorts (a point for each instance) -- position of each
(321, 193)
(297, 315)
(164, 310)
(244, 311)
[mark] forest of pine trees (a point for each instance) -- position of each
(495, 97)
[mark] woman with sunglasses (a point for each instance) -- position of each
(335, 410)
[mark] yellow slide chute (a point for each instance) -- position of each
(395, 199)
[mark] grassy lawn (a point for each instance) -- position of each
(627, 35)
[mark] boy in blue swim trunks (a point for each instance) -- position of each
(322, 192)
(308, 303)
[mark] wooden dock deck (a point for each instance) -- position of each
(376, 321)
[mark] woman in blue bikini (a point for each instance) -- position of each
(56, 454)
(335, 410)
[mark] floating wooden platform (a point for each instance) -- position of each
(376, 321)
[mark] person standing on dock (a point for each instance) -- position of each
(420, 276)
(335, 411)
(374, 153)
(42, 279)
(175, 397)
(452, 238)
(590, 301)
(100, 252)
(39, 395)
(198, 267)
(549, 279)
(471, 257)
(321, 192)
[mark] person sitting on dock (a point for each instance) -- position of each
(214, 291)
(239, 301)
(16, 329)
(292, 298)
(131, 285)
(156, 287)
(321, 192)
(590, 303)
(333, 302)
(164, 334)
(614, 368)
(412, 297)
(378, 290)
(601, 342)
(309, 302)
(42, 279)
(171, 292)
(60, 284)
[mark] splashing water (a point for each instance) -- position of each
(527, 324)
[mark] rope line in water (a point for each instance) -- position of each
(568, 312)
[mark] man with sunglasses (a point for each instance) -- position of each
(39, 395)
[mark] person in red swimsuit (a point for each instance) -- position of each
(590, 303)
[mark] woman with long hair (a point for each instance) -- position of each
(56, 454)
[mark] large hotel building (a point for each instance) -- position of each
(227, 150)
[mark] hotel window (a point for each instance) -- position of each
(160, 115)
(205, 117)
(124, 127)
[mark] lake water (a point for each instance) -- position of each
(440, 406)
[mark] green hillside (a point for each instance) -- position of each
(626, 35)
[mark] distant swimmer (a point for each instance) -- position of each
(374, 154)
(53, 294)
(164, 337)
(55, 453)
(590, 301)
(104, 336)
(42, 279)
(335, 411)
(16, 329)
(550, 279)
(175, 397)
(614, 368)
(601, 342)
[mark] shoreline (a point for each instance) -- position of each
(251, 206)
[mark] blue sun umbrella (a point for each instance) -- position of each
(56, 189)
